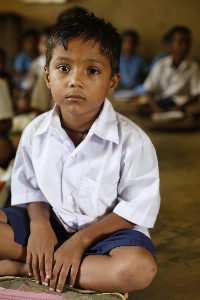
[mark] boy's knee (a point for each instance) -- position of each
(137, 273)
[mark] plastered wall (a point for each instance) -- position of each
(151, 18)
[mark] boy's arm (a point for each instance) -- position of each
(69, 256)
(42, 241)
(152, 103)
(102, 229)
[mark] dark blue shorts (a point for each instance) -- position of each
(166, 102)
(20, 223)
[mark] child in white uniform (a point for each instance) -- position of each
(174, 81)
(87, 176)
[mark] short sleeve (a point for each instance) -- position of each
(24, 187)
(138, 190)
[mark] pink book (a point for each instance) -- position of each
(6, 294)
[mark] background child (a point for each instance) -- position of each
(133, 67)
(89, 214)
(174, 82)
(37, 66)
(25, 57)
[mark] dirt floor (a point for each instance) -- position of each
(176, 234)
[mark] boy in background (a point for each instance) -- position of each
(174, 82)
(88, 176)
(24, 58)
(133, 67)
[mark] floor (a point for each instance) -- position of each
(176, 234)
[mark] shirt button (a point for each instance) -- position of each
(74, 156)
(70, 198)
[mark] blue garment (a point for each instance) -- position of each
(22, 63)
(20, 223)
(133, 70)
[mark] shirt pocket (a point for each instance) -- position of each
(96, 199)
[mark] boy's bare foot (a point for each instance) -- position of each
(13, 268)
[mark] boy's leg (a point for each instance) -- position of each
(125, 269)
(12, 254)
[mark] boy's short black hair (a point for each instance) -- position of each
(178, 29)
(133, 34)
(87, 27)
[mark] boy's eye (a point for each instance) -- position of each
(93, 71)
(63, 68)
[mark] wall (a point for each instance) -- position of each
(151, 18)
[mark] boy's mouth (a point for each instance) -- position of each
(75, 98)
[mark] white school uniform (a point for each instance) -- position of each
(113, 169)
(180, 83)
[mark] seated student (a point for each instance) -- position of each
(89, 214)
(164, 53)
(40, 89)
(38, 64)
(6, 114)
(25, 57)
(133, 67)
(22, 104)
(174, 82)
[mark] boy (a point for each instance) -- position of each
(174, 82)
(24, 58)
(133, 67)
(87, 175)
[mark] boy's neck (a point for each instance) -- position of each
(177, 61)
(78, 123)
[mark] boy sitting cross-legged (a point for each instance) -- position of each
(87, 176)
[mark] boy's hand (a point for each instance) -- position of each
(40, 249)
(67, 260)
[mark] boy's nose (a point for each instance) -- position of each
(76, 79)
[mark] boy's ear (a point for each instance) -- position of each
(47, 77)
(114, 82)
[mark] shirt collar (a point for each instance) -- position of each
(182, 66)
(105, 126)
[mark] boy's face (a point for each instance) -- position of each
(80, 78)
(180, 45)
(128, 45)
(30, 43)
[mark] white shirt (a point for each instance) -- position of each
(35, 69)
(6, 111)
(166, 81)
(114, 169)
